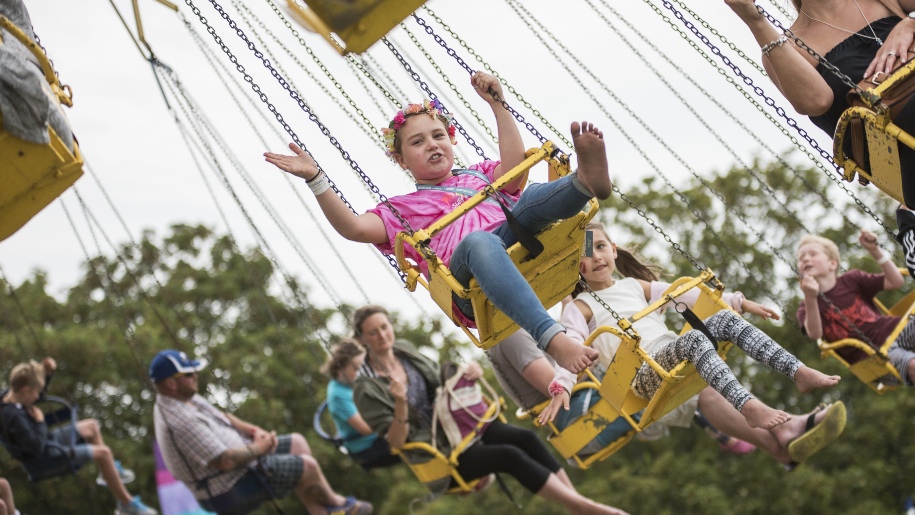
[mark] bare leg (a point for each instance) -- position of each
(89, 430)
(102, 456)
(313, 490)
(556, 490)
(570, 354)
(593, 172)
(299, 445)
(564, 477)
(759, 415)
(911, 372)
(808, 379)
(6, 498)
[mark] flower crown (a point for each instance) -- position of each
(433, 108)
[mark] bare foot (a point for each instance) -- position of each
(762, 416)
(807, 379)
(570, 354)
(593, 171)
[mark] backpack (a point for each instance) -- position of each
(460, 407)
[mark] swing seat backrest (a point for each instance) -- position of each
(871, 138)
(875, 370)
(319, 426)
(358, 23)
(677, 385)
(552, 275)
(571, 441)
(34, 174)
(438, 471)
(56, 460)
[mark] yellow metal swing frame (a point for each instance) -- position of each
(32, 175)
(882, 136)
(875, 370)
(617, 398)
(552, 275)
(431, 466)
(359, 24)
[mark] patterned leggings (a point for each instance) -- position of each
(695, 347)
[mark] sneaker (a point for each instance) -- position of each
(135, 507)
(127, 476)
(352, 506)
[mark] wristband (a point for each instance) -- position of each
(556, 389)
(769, 47)
(885, 258)
(319, 183)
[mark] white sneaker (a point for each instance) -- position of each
(135, 507)
(127, 476)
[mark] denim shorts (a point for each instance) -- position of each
(82, 452)
(274, 477)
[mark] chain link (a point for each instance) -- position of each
(279, 118)
(730, 44)
(771, 103)
(560, 135)
(432, 96)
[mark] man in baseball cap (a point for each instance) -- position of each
(230, 464)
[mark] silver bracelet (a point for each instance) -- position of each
(774, 44)
(319, 183)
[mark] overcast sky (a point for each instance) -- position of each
(135, 150)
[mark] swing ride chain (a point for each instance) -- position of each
(723, 39)
(488, 68)
(448, 81)
(438, 39)
(791, 122)
(676, 246)
(365, 119)
(432, 96)
(295, 96)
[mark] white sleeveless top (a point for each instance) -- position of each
(626, 297)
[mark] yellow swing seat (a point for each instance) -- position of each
(552, 275)
(31, 174)
(358, 23)
(875, 370)
(434, 469)
(881, 136)
(678, 385)
(617, 398)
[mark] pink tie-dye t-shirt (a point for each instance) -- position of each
(423, 207)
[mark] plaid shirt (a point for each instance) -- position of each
(200, 433)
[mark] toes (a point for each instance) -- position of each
(576, 129)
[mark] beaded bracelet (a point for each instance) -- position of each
(319, 183)
(774, 44)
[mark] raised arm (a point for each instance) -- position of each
(364, 228)
(511, 147)
(892, 278)
(787, 65)
(813, 324)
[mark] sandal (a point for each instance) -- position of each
(817, 435)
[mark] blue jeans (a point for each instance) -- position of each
(481, 255)
(579, 405)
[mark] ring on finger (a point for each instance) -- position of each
(891, 53)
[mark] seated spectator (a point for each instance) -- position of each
(231, 465)
(363, 444)
(27, 432)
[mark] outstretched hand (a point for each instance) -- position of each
(758, 309)
(745, 9)
(486, 85)
(560, 401)
(300, 165)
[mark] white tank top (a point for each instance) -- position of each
(626, 297)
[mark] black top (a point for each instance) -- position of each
(852, 57)
(25, 437)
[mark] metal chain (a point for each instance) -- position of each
(560, 135)
(451, 84)
(723, 39)
(368, 60)
(771, 103)
(304, 106)
(432, 96)
(438, 39)
(521, 11)
(596, 297)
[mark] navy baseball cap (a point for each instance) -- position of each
(170, 362)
